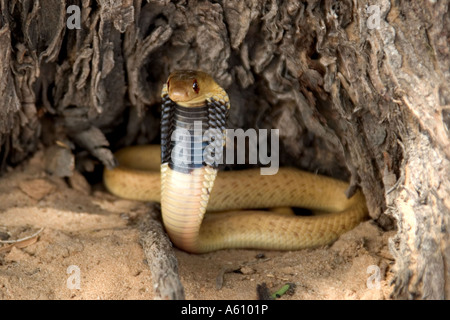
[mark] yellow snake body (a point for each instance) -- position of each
(186, 194)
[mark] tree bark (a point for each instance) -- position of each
(359, 89)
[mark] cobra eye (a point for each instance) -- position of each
(195, 86)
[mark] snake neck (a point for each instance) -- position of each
(187, 144)
(193, 137)
(192, 141)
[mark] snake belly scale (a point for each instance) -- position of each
(186, 189)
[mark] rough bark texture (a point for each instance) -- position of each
(367, 104)
(160, 258)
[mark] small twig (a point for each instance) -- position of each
(221, 275)
(160, 258)
(20, 243)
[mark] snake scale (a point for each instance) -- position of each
(186, 190)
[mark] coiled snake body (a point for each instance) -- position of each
(185, 189)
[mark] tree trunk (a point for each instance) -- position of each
(359, 89)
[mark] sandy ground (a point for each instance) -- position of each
(84, 244)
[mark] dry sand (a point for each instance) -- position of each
(90, 233)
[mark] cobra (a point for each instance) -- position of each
(234, 199)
